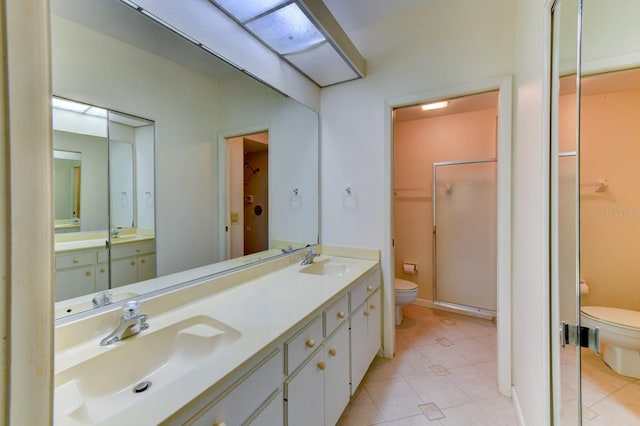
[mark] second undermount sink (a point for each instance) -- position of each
(326, 267)
(102, 386)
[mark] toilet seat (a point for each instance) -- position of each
(614, 316)
(404, 285)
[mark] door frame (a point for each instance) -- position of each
(504, 86)
(224, 186)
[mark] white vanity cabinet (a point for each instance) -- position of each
(365, 322)
(132, 262)
(75, 274)
(256, 398)
(318, 392)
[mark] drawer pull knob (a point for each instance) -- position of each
(341, 315)
(133, 262)
(333, 352)
(322, 365)
(138, 250)
(310, 343)
(366, 313)
(88, 273)
(369, 288)
(103, 270)
(142, 260)
(76, 260)
(372, 306)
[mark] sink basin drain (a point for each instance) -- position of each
(141, 387)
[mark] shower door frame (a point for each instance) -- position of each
(466, 308)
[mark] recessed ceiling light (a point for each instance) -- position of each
(435, 105)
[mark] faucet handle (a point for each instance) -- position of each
(131, 308)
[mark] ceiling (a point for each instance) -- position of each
(355, 14)
(459, 105)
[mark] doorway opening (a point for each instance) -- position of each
(249, 193)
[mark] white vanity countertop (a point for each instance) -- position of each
(262, 309)
(98, 243)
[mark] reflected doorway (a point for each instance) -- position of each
(249, 193)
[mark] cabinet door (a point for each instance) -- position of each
(272, 415)
(124, 271)
(304, 394)
(102, 277)
(336, 376)
(359, 347)
(146, 267)
(74, 282)
(374, 325)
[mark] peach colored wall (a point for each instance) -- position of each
(610, 220)
(417, 145)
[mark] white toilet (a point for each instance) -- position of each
(620, 332)
(406, 292)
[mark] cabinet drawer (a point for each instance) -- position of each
(335, 315)
(303, 344)
(246, 397)
(361, 291)
(72, 260)
(126, 250)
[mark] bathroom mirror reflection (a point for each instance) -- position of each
(198, 104)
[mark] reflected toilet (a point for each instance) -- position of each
(620, 332)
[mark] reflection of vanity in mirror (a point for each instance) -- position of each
(103, 199)
(177, 209)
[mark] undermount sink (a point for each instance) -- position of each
(326, 268)
(102, 386)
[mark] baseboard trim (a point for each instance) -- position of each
(516, 405)
(429, 304)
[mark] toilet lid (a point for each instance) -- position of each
(616, 316)
(404, 285)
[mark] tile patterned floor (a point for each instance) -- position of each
(607, 397)
(444, 373)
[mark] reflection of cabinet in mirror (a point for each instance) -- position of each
(104, 185)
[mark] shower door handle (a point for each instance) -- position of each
(584, 337)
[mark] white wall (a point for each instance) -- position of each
(530, 235)
(293, 153)
(145, 178)
(447, 43)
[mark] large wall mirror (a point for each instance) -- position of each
(173, 161)
(596, 212)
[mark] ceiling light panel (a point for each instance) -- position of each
(286, 30)
(244, 10)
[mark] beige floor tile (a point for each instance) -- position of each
(500, 410)
(474, 351)
(394, 398)
(446, 356)
(411, 361)
(466, 415)
(438, 390)
(381, 369)
(361, 411)
(474, 383)
(419, 420)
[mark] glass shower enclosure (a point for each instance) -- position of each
(464, 235)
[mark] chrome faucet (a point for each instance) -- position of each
(115, 232)
(308, 258)
(131, 323)
(101, 299)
